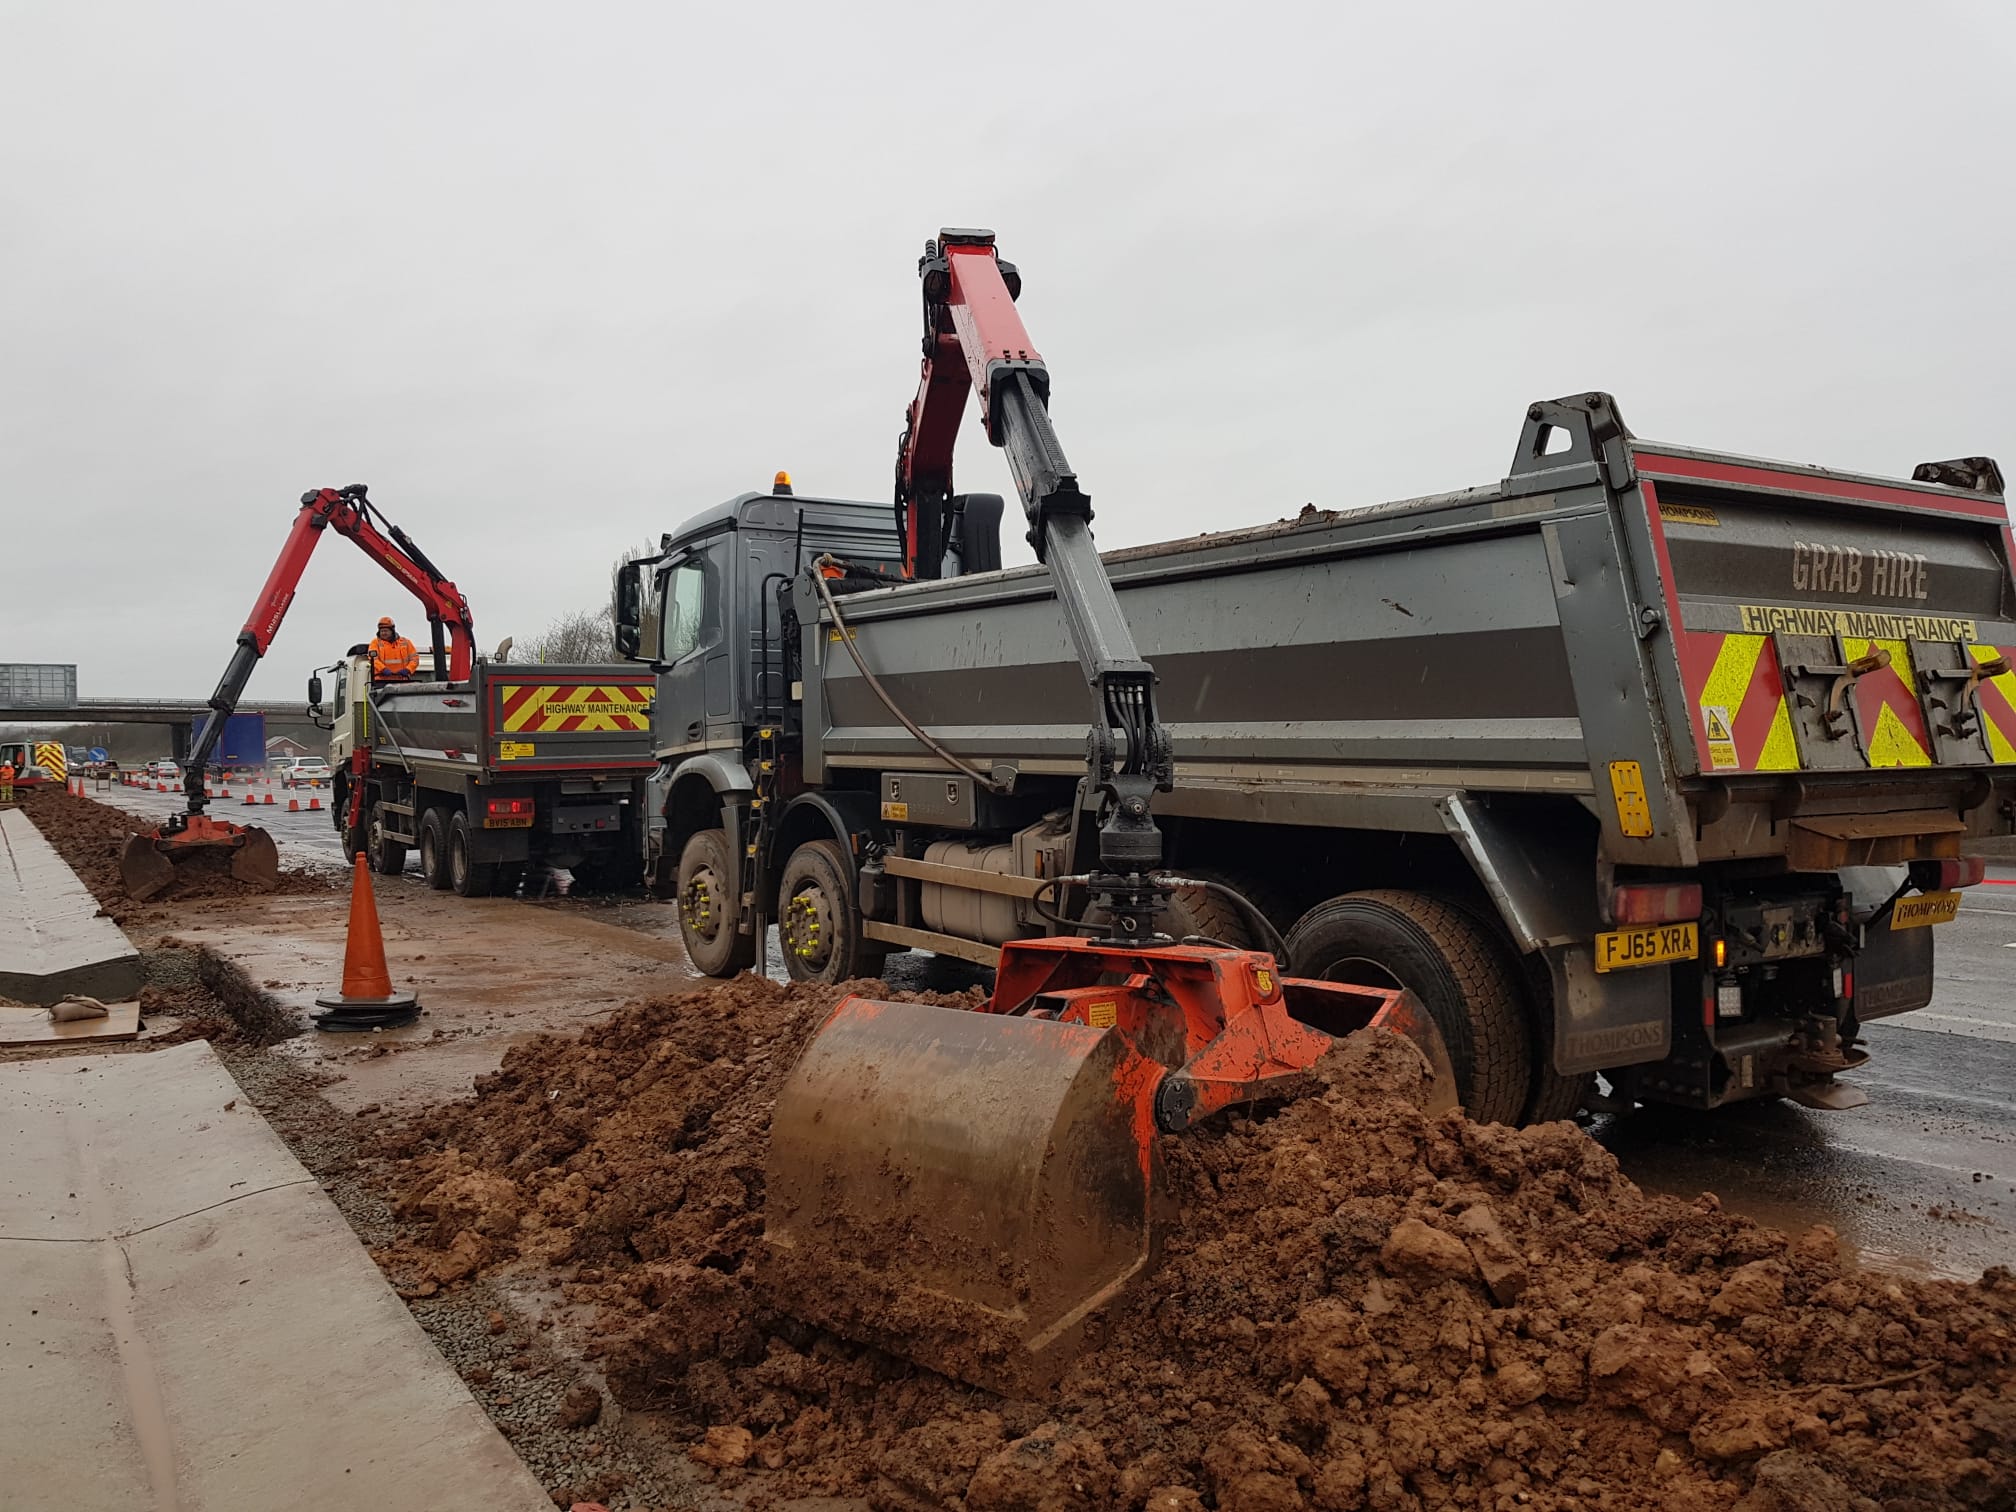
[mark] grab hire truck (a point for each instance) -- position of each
(1641, 761)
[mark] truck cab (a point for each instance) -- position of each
(349, 708)
(709, 614)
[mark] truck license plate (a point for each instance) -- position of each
(509, 821)
(1622, 948)
(1926, 908)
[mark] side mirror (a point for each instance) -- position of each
(314, 690)
(629, 611)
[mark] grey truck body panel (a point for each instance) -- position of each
(1623, 661)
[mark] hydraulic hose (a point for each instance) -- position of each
(875, 685)
(1264, 926)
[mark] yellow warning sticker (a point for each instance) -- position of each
(1688, 514)
(1102, 1014)
(513, 750)
(1721, 737)
(1927, 908)
(1634, 811)
(897, 812)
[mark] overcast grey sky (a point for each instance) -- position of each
(551, 278)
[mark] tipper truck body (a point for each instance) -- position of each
(1642, 761)
(515, 765)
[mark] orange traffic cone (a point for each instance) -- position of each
(367, 1000)
(267, 799)
(293, 805)
(250, 801)
(314, 803)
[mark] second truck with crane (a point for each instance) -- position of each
(486, 768)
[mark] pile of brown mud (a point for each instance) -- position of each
(1360, 1307)
(89, 836)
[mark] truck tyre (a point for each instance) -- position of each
(707, 907)
(818, 927)
(1553, 1096)
(1388, 938)
(469, 879)
(434, 851)
(388, 856)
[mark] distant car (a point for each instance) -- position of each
(163, 769)
(305, 771)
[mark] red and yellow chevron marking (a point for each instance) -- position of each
(1898, 737)
(1998, 705)
(1741, 723)
(565, 708)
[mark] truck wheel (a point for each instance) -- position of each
(1392, 938)
(388, 856)
(434, 851)
(470, 879)
(707, 907)
(817, 923)
(1553, 1096)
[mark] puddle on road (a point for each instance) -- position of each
(1791, 1168)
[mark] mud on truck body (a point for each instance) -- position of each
(1643, 761)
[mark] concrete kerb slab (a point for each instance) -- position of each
(188, 1323)
(54, 941)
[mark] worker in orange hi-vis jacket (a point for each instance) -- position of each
(393, 658)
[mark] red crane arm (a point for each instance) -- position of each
(972, 335)
(974, 340)
(349, 512)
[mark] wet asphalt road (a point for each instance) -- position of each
(1922, 1178)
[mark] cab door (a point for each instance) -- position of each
(695, 688)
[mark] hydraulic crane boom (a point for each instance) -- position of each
(974, 340)
(349, 512)
(147, 864)
(971, 1186)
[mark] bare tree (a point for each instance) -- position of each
(582, 636)
(586, 635)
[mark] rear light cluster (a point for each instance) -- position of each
(1655, 902)
(507, 808)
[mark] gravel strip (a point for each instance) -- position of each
(521, 1380)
